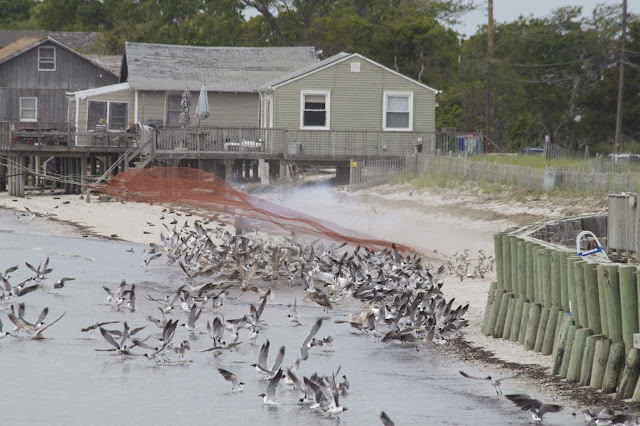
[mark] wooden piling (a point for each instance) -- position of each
(629, 375)
(523, 322)
(568, 349)
(561, 315)
(497, 244)
(615, 363)
(556, 287)
(602, 297)
(542, 329)
(550, 332)
(502, 315)
(571, 289)
(513, 243)
(559, 348)
(495, 310)
(578, 279)
(612, 293)
(587, 358)
(535, 254)
(628, 304)
(600, 362)
(591, 295)
(508, 322)
(487, 309)
(564, 288)
(546, 277)
(535, 312)
(529, 271)
(577, 353)
(522, 270)
(517, 320)
(506, 263)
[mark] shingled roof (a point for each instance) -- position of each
(221, 69)
(110, 62)
(82, 42)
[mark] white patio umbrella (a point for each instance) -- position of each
(202, 109)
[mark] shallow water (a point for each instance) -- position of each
(63, 380)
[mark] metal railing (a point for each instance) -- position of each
(176, 140)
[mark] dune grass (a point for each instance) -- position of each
(533, 161)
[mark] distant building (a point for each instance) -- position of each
(36, 73)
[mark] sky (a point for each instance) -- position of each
(509, 10)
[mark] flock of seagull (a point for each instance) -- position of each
(402, 296)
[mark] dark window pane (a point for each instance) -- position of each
(397, 120)
(46, 52)
(118, 119)
(314, 105)
(97, 111)
(315, 118)
(173, 110)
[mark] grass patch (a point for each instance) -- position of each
(533, 161)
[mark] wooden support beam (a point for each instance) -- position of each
(535, 312)
(524, 322)
(628, 304)
(600, 362)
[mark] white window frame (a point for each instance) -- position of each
(327, 95)
(386, 95)
(28, 120)
(166, 106)
(48, 59)
(86, 124)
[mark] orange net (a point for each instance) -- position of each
(206, 195)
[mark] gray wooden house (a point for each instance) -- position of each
(154, 76)
(36, 74)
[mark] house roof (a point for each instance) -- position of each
(331, 61)
(110, 62)
(221, 69)
(80, 41)
(23, 45)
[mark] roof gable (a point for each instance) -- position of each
(334, 60)
(21, 46)
(222, 69)
(76, 40)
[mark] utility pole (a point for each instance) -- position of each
(623, 40)
(490, 134)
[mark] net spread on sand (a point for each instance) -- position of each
(208, 196)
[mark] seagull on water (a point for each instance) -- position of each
(236, 386)
(194, 315)
(3, 334)
(386, 421)
(303, 353)
(261, 366)
(270, 397)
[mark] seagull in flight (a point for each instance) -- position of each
(494, 382)
(536, 407)
(270, 397)
(236, 386)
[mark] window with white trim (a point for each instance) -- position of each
(29, 109)
(174, 108)
(315, 110)
(46, 58)
(398, 111)
(107, 114)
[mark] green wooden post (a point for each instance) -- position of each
(577, 353)
(558, 350)
(568, 349)
(542, 329)
(535, 312)
(497, 244)
(587, 358)
(546, 277)
(524, 322)
(600, 362)
(522, 269)
(602, 296)
(578, 278)
(571, 289)
(564, 288)
(502, 315)
(508, 322)
(550, 332)
(534, 265)
(487, 309)
(506, 263)
(561, 315)
(591, 294)
(615, 363)
(614, 312)
(513, 243)
(495, 310)
(517, 320)
(556, 286)
(628, 304)
(629, 375)
(531, 295)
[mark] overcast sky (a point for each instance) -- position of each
(508, 10)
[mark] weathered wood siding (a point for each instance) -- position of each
(227, 109)
(121, 96)
(21, 76)
(357, 99)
